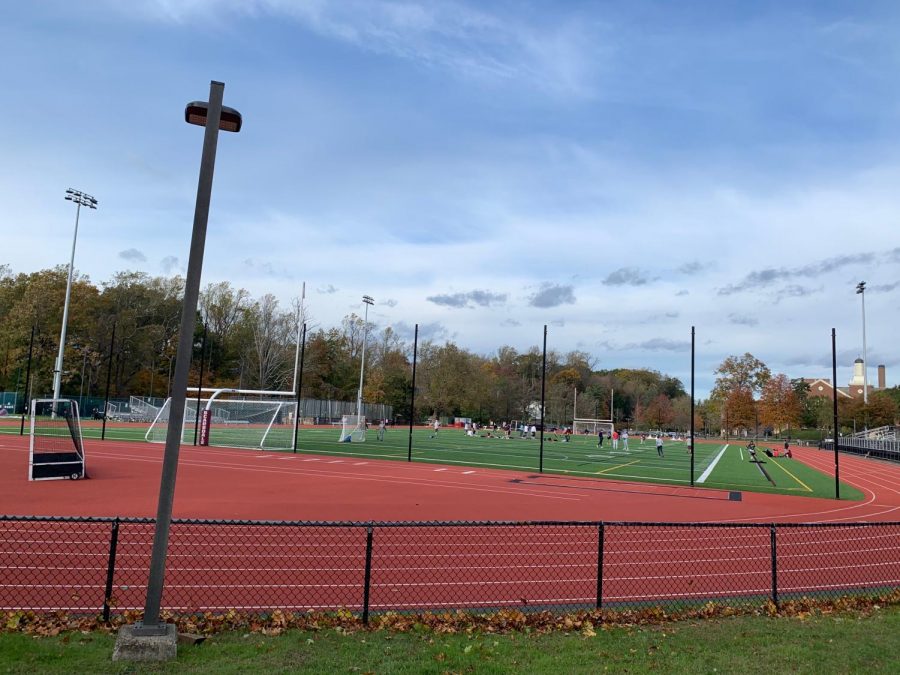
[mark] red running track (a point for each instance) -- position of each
(52, 565)
(246, 484)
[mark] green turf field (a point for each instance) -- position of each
(716, 465)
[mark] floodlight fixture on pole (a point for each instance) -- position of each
(214, 117)
(367, 300)
(81, 199)
(861, 290)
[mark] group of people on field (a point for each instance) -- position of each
(786, 452)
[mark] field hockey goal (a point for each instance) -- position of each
(233, 418)
(55, 445)
(592, 426)
(353, 429)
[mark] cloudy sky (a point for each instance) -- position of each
(619, 171)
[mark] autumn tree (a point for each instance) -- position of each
(739, 410)
(779, 406)
(659, 412)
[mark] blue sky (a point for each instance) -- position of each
(619, 171)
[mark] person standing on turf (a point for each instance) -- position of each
(381, 430)
(625, 440)
(615, 439)
(659, 446)
(437, 425)
(600, 438)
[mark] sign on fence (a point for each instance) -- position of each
(205, 419)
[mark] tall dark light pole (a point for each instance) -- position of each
(214, 117)
(80, 199)
(861, 291)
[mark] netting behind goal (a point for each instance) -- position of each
(353, 429)
(592, 426)
(237, 422)
(56, 447)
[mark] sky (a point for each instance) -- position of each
(617, 171)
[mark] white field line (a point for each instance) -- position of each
(712, 465)
(742, 453)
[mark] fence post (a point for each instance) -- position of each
(110, 568)
(601, 536)
(368, 577)
(774, 565)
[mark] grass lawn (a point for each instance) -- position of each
(716, 465)
(837, 643)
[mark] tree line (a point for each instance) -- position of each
(250, 343)
(748, 397)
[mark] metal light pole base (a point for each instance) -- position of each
(134, 644)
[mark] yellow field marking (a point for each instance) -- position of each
(613, 468)
(789, 473)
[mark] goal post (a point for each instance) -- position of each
(353, 429)
(234, 418)
(592, 426)
(55, 445)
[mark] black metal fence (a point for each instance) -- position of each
(100, 565)
(877, 448)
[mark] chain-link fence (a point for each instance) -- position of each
(100, 565)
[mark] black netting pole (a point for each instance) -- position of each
(368, 575)
(601, 540)
(112, 342)
(693, 440)
(110, 568)
(27, 382)
(543, 378)
(412, 395)
(837, 480)
(299, 387)
(772, 541)
(200, 383)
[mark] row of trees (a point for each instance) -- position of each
(747, 396)
(250, 343)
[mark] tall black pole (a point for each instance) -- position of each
(693, 439)
(543, 378)
(837, 468)
(412, 394)
(299, 387)
(27, 381)
(112, 342)
(151, 624)
(200, 384)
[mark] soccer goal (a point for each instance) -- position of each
(592, 426)
(233, 418)
(56, 448)
(353, 429)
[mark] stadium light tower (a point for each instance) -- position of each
(215, 117)
(861, 290)
(362, 366)
(81, 199)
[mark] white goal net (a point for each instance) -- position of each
(353, 429)
(234, 419)
(592, 427)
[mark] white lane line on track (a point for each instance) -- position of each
(712, 466)
(468, 472)
(401, 480)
